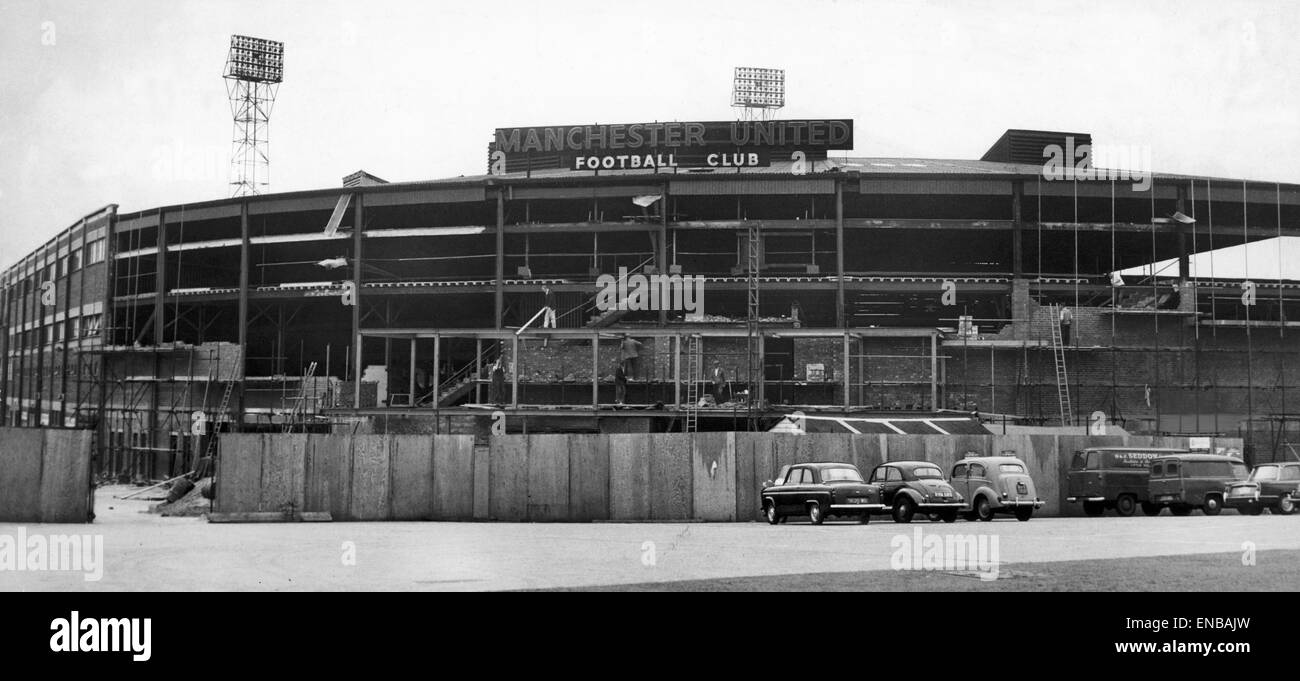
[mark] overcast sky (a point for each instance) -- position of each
(123, 102)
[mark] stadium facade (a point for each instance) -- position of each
(896, 291)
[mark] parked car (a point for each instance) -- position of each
(820, 490)
(1113, 477)
(1185, 482)
(995, 484)
(1270, 485)
(909, 487)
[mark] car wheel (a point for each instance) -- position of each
(1180, 509)
(1024, 513)
(983, 510)
(815, 514)
(864, 518)
(1285, 506)
(1125, 505)
(949, 516)
(1213, 504)
(934, 517)
(1149, 508)
(769, 511)
(1094, 508)
(1253, 510)
(904, 509)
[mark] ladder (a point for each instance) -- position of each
(225, 400)
(693, 378)
(300, 402)
(1058, 354)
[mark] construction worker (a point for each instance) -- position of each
(548, 312)
(630, 354)
(720, 386)
(620, 384)
(548, 317)
(497, 388)
(1067, 318)
(1175, 298)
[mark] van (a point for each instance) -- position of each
(1113, 477)
(1189, 481)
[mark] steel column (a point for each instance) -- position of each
(840, 317)
(499, 291)
(358, 224)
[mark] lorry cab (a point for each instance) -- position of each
(1186, 482)
(1114, 478)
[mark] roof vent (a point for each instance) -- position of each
(362, 179)
(1026, 146)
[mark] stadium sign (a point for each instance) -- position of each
(638, 146)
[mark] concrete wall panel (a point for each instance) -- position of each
(589, 481)
(482, 465)
(713, 467)
(670, 476)
(284, 461)
(453, 477)
(904, 448)
(509, 477)
(411, 476)
(20, 475)
(328, 474)
(239, 478)
(65, 477)
(832, 447)
(868, 452)
(747, 485)
(370, 481)
(548, 477)
(629, 477)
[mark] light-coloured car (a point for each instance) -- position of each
(995, 484)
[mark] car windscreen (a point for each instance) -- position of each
(1265, 473)
(836, 474)
(927, 473)
(1011, 468)
(1239, 471)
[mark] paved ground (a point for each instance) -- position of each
(145, 551)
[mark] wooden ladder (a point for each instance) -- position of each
(225, 399)
(694, 359)
(299, 407)
(1062, 378)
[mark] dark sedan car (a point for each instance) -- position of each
(912, 486)
(819, 490)
(1271, 485)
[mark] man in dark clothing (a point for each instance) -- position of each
(1175, 298)
(620, 384)
(629, 352)
(497, 389)
(720, 386)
